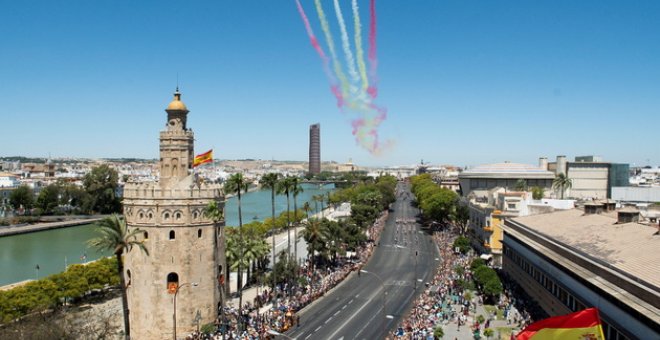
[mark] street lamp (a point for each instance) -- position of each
(276, 333)
(384, 290)
(176, 292)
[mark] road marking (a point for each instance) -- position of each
(349, 302)
(317, 329)
(349, 319)
(308, 337)
(337, 312)
(326, 321)
(343, 307)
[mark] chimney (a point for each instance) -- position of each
(561, 165)
(591, 208)
(627, 216)
(543, 163)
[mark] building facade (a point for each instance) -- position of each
(315, 148)
(480, 179)
(185, 264)
(571, 260)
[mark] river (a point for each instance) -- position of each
(52, 250)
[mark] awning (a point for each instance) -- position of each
(486, 256)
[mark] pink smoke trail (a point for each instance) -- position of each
(326, 68)
(373, 60)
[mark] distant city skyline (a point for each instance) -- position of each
(464, 83)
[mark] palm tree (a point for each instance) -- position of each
(316, 234)
(296, 189)
(116, 237)
(284, 188)
(237, 184)
(561, 183)
(269, 181)
(216, 214)
(307, 208)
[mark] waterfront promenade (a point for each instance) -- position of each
(30, 228)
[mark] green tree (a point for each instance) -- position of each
(462, 243)
(440, 206)
(561, 183)
(101, 184)
(488, 332)
(480, 319)
(521, 185)
(296, 189)
(461, 217)
(22, 197)
(269, 181)
(116, 237)
(238, 184)
(438, 333)
(48, 199)
(315, 235)
(537, 193)
(285, 187)
(76, 198)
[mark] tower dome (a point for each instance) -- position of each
(177, 104)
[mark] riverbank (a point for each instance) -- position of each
(30, 228)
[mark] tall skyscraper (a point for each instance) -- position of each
(186, 247)
(315, 148)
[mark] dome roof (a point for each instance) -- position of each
(177, 104)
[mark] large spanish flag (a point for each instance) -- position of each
(206, 157)
(584, 324)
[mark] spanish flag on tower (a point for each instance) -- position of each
(204, 158)
(582, 325)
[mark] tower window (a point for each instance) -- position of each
(195, 215)
(172, 282)
(141, 215)
(166, 216)
(172, 235)
(199, 233)
(177, 215)
(150, 215)
(146, 235)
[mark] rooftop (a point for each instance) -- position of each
(630, 247)
(507, 169)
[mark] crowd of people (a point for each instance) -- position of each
(443, 300)
(276, 310)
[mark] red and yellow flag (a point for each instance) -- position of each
(584, 324)
(204, 158)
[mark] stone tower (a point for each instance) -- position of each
(186, 249)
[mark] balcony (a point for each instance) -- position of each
(488, 228)
(486, 245)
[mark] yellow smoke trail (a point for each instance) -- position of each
(336, 64)
(358, 46)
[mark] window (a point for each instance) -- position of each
(146, 235)
(172, 282)
(177, 216)
(166, 216)
(172, 235)
(195, 215)
(199, 233)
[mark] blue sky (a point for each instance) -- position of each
(464, 82)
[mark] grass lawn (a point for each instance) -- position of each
(490, 309)
(505, 332)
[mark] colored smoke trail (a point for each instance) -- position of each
(358, 45)
(355, 96)
(373, 60)
(331, 47)
(346, 45)
(324, 58)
